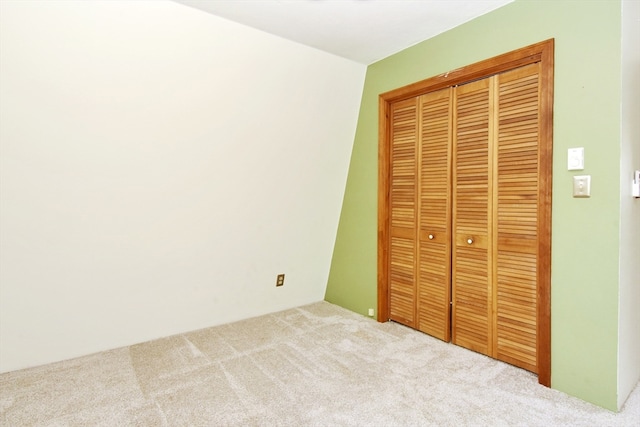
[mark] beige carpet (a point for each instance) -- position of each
(318, 365)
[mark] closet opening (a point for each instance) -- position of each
(464, 207)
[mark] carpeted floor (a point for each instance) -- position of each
(318, 365)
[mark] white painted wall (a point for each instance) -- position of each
(159, 166)
(629, 311)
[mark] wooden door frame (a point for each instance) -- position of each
(542, 52)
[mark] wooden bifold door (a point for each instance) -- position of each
(465, 207)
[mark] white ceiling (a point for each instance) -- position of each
(364, 31)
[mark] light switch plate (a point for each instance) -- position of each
(582, 186)
(575, 159)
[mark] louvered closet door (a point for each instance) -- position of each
(472, 215)
(517, 216)
(434, 283)
(403, 211)
(464, 214)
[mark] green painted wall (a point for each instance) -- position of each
(585, 249)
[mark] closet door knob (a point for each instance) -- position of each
(431, 236)
(469, 240)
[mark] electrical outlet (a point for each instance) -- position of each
(280, 280)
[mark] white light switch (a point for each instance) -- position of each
(575, 159)
(582, 186)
